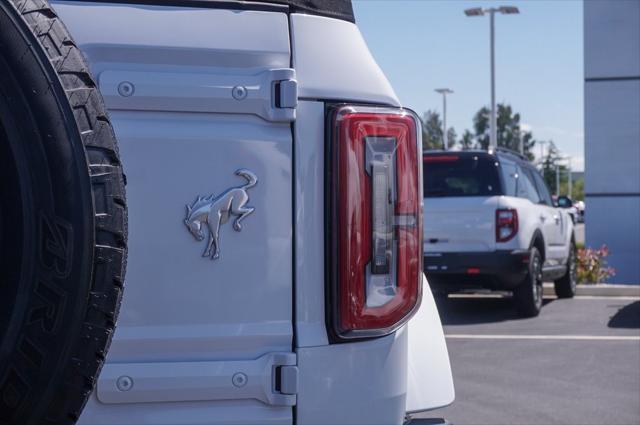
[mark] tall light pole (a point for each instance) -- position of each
(542, 143)
(478, 11)
(570, 179)
(444, 93)
(569, 176)
(521, 143)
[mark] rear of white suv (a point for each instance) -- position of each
(490, 224)
(291, 320)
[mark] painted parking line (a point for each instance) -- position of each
(552, 297)
(548, 337)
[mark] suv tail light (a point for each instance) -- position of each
(506, 224)
(375, 219)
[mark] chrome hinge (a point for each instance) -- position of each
(271, 94)
(271, 379)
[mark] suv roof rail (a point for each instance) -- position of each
(511, 152)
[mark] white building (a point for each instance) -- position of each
(612, 132)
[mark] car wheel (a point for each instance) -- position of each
(566, 285)
(528, 295)
(62, 220)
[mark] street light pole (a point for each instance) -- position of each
(444, 92)
(569, 176)
(478, 11)
(493, 140)
(570, 179)
(557, 179)
(542, 143)
(521, 143)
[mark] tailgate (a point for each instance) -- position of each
(207, 313)
(464, 224)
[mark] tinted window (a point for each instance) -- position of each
(526, 186)
(461, 175)
(543, 190)
(509, 177)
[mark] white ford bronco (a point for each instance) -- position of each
(271, 228)
(490, 223)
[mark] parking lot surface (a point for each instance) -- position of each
(577, 363)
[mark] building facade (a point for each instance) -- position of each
(612, 132)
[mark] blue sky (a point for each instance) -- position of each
(423, 45)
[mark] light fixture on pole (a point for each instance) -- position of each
(478, 11)
(444, 92)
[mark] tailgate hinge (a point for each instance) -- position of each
(284, 95)
(271, 379)
(271, 94)
(285, 379)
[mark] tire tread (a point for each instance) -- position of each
(107, 180)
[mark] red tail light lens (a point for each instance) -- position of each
(506, 224)
(375, 224)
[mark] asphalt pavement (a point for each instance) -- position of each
(578, 363)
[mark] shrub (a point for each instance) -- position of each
(592, 265)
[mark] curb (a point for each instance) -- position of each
(600, 290)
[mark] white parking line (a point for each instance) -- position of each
(548, 337)
(552, 297)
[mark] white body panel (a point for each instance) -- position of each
(183, 313)
(332, 61)
(465, 224)
(338, 382)
(553, 223)
(179, 307)
(428, 359)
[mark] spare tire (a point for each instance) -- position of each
(62, 220)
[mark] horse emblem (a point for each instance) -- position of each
(213, 211)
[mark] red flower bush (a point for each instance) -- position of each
(592, 265)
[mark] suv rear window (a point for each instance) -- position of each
(451, 175)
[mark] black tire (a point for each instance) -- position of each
(62, 220)
(566, 285)
(528, 295)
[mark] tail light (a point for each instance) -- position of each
(506, 224)
(375, 219)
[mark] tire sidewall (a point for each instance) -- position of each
(528, 295)
(535, 278)
(572, 268)
(58, 222)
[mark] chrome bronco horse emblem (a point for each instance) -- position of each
(213, 211)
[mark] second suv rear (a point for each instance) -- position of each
(490, 223)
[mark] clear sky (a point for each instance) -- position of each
(426, 44)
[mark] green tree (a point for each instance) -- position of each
(577, 188)
(431, 131)
(481, 128)
(466, 141)
(528, 144)
(432, 135)
(509, 133)
(548, 167)
(452, 137)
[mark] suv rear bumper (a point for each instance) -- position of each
(473, 270)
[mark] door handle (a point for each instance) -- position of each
(557, 218)
(542, 218)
